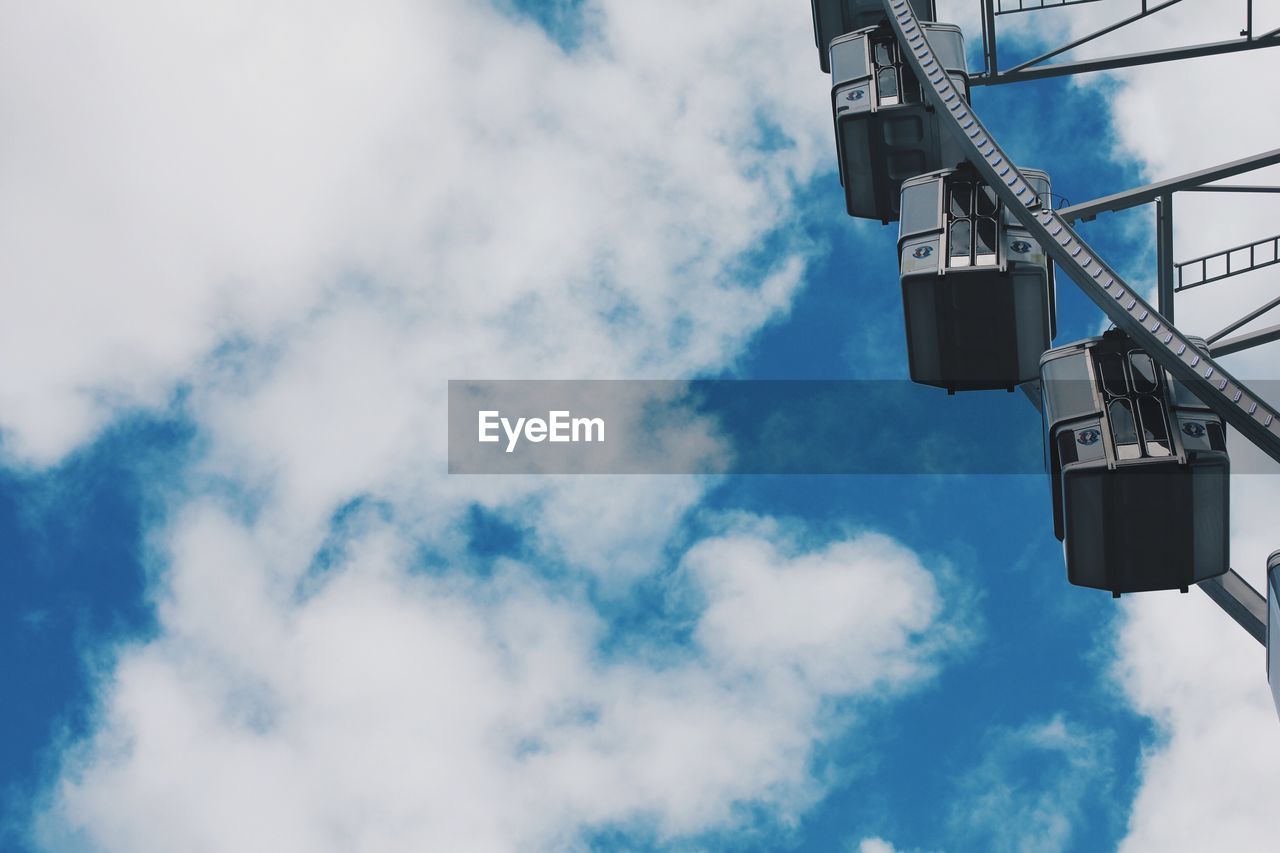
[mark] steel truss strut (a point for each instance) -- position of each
(1164, 253)
(1009, 7)
(1228, 397)
(1190, 181)
(1034, 70)
(1249, 340)
(1146, 12)
(1241, 602)
(1170, 276)
(1245, 320)
(1232, 188)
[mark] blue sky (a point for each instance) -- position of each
(1037, 652)
(1012, 733)
(75, 554)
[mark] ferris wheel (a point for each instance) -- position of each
(1135, 420)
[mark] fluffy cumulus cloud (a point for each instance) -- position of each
(185, 179)
(386, 711)
(1179, 659)
(1204, 681)
(290, 225)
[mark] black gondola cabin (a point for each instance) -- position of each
(1139, 470)
(977, 291)
(884, 131)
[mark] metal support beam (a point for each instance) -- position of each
(1164, 256)
(1127, 60)
(1035, 5)
(1241, 602)
(1245, 320)
(1150, 192)
(1093, 35)
(1246, 341)
(989, 36)
(1232, 188)
(1032, 391)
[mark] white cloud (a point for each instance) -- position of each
(761, 608)
(313, 218)
(185, 176)
(1184, 663)
(875, 845)
(396, 711)
(1034, 785)
(309, 218)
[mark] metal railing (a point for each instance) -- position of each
(1233, 261)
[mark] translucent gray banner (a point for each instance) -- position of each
(753, 427)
